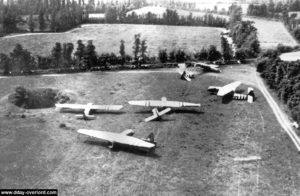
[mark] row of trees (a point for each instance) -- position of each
(170, 17)
(243, 34)
(267, 10)
(84, 57)
(53, 16)
(283, 77)
(273, 10)
(210, 54)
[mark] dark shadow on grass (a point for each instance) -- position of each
(143, 112)
(179, 111)
(96, 113)
(186, 111)
(124, 148)
(227, 98)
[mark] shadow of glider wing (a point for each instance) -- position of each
(117, 138)
(71, 107)
(99, 108)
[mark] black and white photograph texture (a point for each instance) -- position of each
(150, 97)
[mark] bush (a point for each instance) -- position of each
(261, 65)
(240, 54)
(162, 55)
(272, 54)
(37, 98)
(282, 48)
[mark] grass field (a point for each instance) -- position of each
(196, 147)
(271, 33)
(107, 38)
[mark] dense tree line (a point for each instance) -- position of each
(84, 57)
(210, 54)
(283, 77)
(62, 15)
(273, 10)
(58, 15)
(244, 35)
(170, 17)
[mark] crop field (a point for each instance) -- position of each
(196, 147)
(107, 37)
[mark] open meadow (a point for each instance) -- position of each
(196, 147)
(107, 37)
(271, 33)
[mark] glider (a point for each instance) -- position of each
(87, 109)
(125, 138)
(163, 103)
(187, 73)
(228, 91)
(208, 67)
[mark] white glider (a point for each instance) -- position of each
(124, 138)
(221, 91)
(187, 73)
(157, 114)
(208, 67)
(163, 103)
(86, 109)
(230, 89)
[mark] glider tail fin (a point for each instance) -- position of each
(183, 75)
(251, 96)
(150, 138)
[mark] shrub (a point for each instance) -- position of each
(37, 98)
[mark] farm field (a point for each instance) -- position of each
(107, 37)
(196, 147)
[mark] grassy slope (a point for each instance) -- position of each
(107, 38)
(196, 146)
(271, 33)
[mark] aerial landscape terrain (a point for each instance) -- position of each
(196, 147)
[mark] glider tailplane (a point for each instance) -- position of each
(85, 117)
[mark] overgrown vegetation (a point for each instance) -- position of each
(32, 99)
(170, 17)
(52, 16)
(283, 77)
(244, 35)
